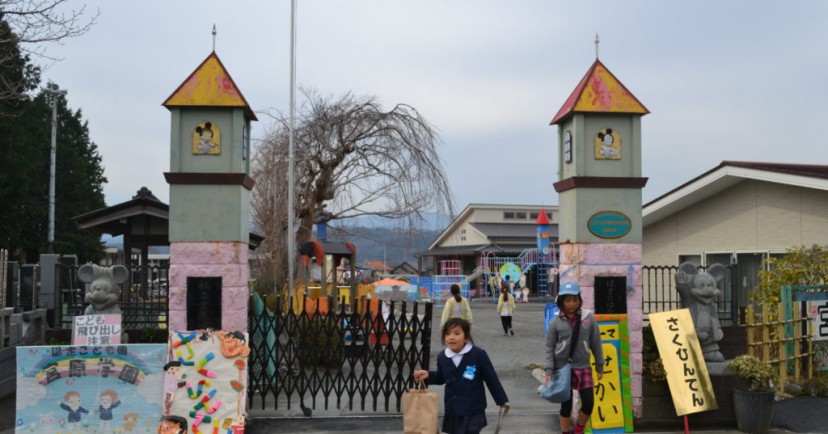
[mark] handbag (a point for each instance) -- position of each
(559, 387)
(420, 411)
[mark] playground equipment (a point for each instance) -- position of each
(436, 288)
(320, 261)
(494, 269)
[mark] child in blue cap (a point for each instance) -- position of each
(559, 339)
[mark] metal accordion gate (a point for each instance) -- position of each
(364, 353)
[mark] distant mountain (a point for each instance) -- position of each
(391, 246)
(376, 239)
(432, 221)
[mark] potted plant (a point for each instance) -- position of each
(753, 406)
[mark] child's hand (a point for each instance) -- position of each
(420, 375)
(600, 376)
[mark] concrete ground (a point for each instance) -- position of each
(513, 358)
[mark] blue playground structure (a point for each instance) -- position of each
(494, 269)
(438, 286)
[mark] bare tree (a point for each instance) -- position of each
(352, 159)
(32, 24)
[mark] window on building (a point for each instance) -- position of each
(718, 258)
(520, 215)
(508, 215)
(694, 258)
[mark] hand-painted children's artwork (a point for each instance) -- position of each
(607, 145)
(172, 425)
(209, 372)
(207, 139)
(89, 389)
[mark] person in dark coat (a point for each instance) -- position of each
(463, 368)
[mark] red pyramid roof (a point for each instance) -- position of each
(210, 85)
(542, 219)
(600, 92)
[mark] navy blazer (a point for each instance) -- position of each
(464, 394)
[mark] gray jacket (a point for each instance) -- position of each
(558, 338)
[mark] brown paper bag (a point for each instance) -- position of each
(420, 411)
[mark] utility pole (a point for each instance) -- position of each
(53, 90)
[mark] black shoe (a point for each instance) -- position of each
(512, 332)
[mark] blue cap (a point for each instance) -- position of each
(569, 288)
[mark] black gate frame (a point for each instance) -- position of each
(322, 355)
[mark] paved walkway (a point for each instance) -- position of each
(514, 358)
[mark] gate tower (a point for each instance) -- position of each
(599, 162)
(210, 188)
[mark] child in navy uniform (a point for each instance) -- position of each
(558, 343)
(463, 368)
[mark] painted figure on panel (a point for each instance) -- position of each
(72, 404)
(233, 344)
(173, 425)
(207, 139)
(607, 145)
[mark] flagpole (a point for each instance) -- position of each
(291, 236)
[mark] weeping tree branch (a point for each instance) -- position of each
(352, 159)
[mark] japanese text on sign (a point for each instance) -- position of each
(96, 329)
(613, 401)
(681, 353)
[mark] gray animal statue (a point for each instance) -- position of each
(104, 292)
(698, 292)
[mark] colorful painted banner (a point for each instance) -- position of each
(613, 397)
(89, 389)
(206, 381)
(96, 329)
(683, 360)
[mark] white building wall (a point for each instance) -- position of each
(750, 216)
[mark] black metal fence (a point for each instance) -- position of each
(660, 294)
(143, 300)
(352, 353)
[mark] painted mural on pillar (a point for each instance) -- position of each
(89, 389)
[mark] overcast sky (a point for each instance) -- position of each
(723, 80)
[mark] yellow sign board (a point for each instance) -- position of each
(607, 413)
(613, 401)
(683, 360)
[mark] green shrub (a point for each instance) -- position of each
(759, 374)
(653, 367)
